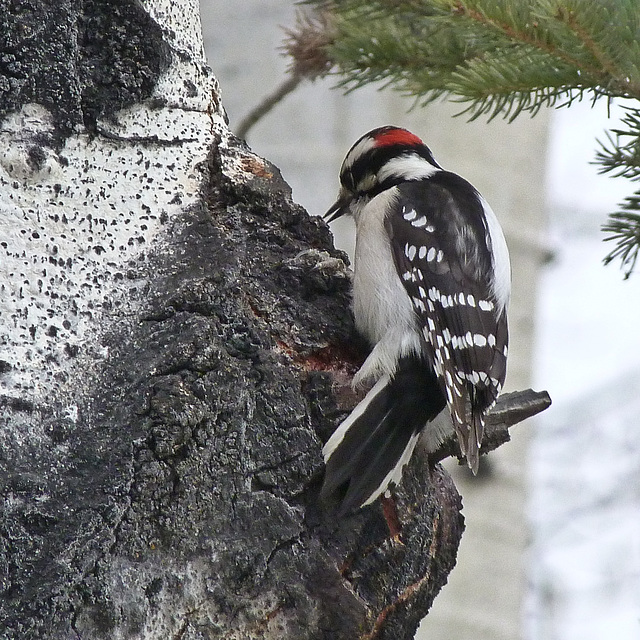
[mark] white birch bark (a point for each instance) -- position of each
(79, 215)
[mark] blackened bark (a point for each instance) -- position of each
(79, 60)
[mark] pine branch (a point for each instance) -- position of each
(499, 57)
(508, 83)
(621, 156)
(624, 228)
(503, 57)
(267, 104)
(305, 46)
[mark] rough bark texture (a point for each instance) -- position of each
(183, 500)
(179, 498)
(79, 60)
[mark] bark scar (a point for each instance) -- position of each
(390, 513)
(410, 590)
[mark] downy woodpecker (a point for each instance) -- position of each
(430, 293)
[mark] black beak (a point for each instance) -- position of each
(338, 209)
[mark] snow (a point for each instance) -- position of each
(585, 471)
(588, 319)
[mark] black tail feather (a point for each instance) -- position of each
(380, 433)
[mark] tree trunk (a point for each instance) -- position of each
(176, 346)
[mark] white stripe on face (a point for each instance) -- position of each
(409, 167)
(358, 150)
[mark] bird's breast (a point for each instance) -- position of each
(380, 302)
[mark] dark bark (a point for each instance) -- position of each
(182, 500)
(79, 60)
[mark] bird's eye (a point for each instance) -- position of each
(347, 180)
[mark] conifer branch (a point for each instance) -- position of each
(624, 228)
(502, 57)
(305, 46)
(267, 104)
(531, 36)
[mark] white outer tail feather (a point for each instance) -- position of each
(395, 475)
(338, 435)
(437, 431)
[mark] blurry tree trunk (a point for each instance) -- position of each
(173, 327)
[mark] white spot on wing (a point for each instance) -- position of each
(420, 222)
(479, 340)
(485, 305)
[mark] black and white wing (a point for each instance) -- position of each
(453, 262)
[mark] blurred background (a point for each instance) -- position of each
(552, 546)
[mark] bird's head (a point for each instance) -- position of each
(379, 160)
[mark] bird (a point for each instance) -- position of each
(430, 293)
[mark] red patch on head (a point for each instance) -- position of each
(397, 136)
